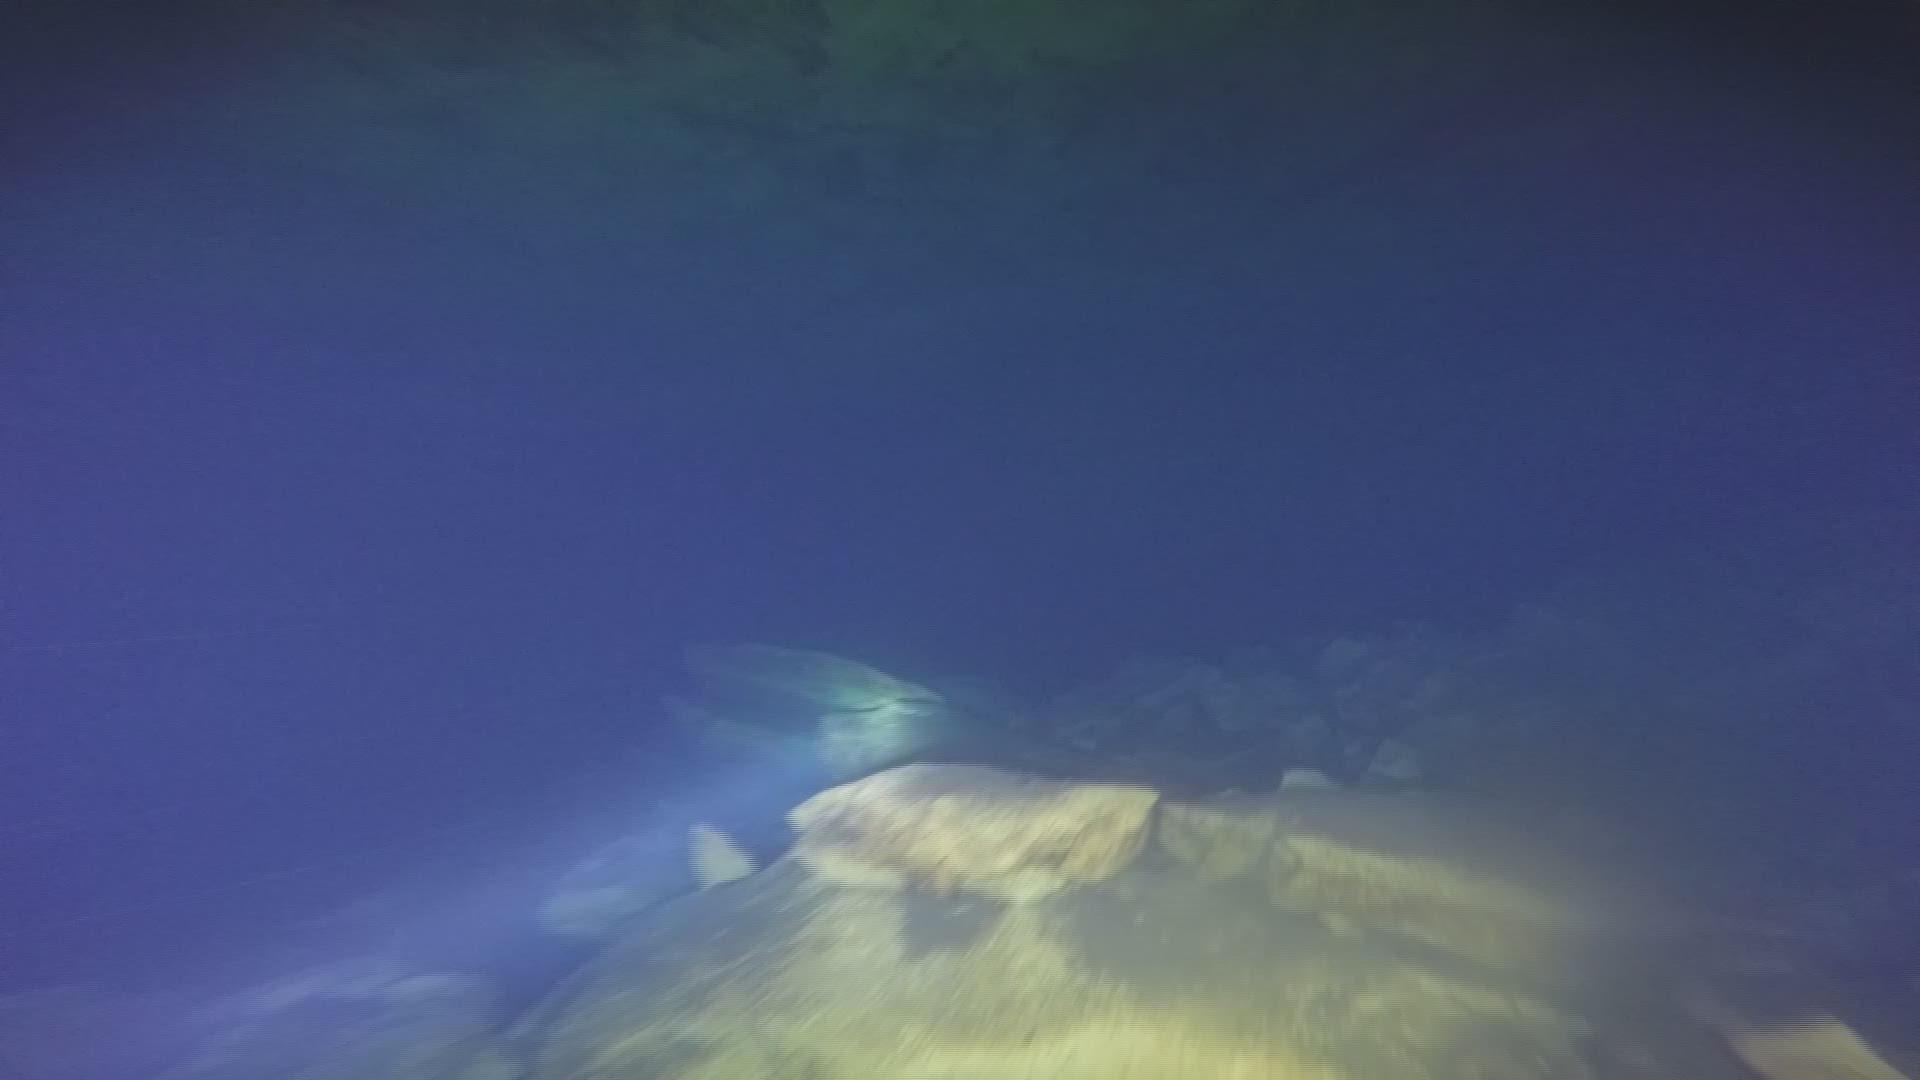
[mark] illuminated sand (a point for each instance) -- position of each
(1162, 965)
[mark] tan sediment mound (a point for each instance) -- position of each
(832, 988)
(1146, 976)
(1148, 970)
(948, 827)
(1425, 871)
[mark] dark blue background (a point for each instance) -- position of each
(338, 523)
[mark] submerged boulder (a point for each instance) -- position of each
(948, 827)
(1395, 766)
(1820, 1048)
(715, 858)
(1295, 781)
(851, 717)
(634, 873)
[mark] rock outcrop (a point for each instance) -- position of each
(952, 827)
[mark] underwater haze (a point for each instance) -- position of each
(472, 471)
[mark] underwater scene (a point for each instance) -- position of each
(960, 540)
